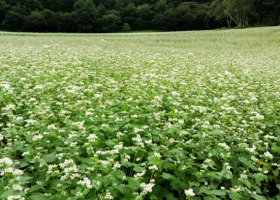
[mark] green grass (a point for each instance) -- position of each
(140, 115)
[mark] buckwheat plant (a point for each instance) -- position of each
(179, 115)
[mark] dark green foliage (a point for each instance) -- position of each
(66, 22)
(111, 22)
(126, 27)
(13, 21)
(85, 15)
(35, 21)
(111, 15)
(3, 10)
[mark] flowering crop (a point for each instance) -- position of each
(185, 115)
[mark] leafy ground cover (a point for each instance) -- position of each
(184, 115)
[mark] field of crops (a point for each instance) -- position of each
(184, 115)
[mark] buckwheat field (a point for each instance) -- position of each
(178, 115)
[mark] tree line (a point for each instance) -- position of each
(125, 15)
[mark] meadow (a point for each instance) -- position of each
(176, 115)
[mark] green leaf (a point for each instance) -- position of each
(138, 169)
(111, 143)
(276, 173)
(175, 184)
(228, 175)
(211, 198)
(121, 188)
(86, 191)
(170, 196)
(35, 188)
(244, 161)
(153, 197)
(218, 192)
(43, 162)
(50, 157)
(170, 166)
(133, 184)
(259, 177)
(167, 176)
(234, 195)
(37, 196)
(204, 190)
(59, 148)
(257, 197)
(275, 148)
(245, 181)
(87, 161)
(23, 164)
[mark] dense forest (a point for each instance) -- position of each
(126, 15)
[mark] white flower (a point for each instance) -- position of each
(108, 195)
(52, 126)
(38, 87)
(243, 176)
(266, 136)
(86, 182)
(52, 169)
(25, 153)
(235, 189)
(153, 167)
(146, 188)
(156, 154)
(140, 174)
(189, 192)
(6, 161)
(174, 94)
(15, 197)
(91, 137)
(136, 130)
(17, 187)
(6, 86)
(37, 137)
(17, 172)
(119, 134)
(117, 165)
(66, 163)
(259, 117)
(138, 140)
(251, 150)
(224, 145)
(79, 194)
(104, 126)
(208, 160)
(268, 155)
(253, 158)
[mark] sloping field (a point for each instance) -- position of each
(183, 115)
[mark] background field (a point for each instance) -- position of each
(140, 116)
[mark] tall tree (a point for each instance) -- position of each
(237, 11)
(268, 11)
(58, 5)
(85, 13)
(14, 19)
(111, 22)
(3, 10)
